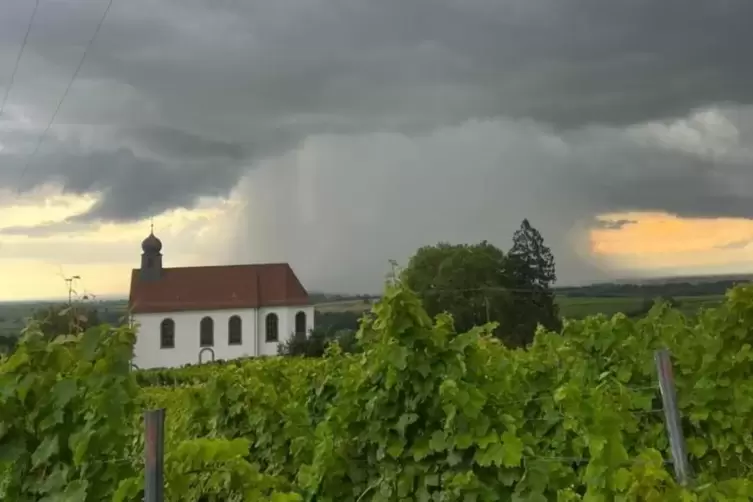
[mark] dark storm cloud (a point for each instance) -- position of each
(131, 187)
(180, 144)
(613, 224)
(180, 99)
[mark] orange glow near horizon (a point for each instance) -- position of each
(658, 240)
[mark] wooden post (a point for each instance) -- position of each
(672, 417)
(154, 442)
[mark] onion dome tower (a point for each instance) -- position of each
(151, 257)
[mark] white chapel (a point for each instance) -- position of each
(189, 315)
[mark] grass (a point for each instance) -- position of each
(579, 307)
(689, 305)
(357, 305)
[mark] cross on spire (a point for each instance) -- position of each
(151, 225)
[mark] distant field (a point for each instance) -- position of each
(691, 304)
(357, 305)
(579, 307)
(570, 307)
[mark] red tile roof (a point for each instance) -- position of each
(217, 287)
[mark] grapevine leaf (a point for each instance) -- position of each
(405, 420)
(79, 443)
(63, 392)
(395, 449)
(90, 341)
(11, 450)
(437, 442)
(463, 440)
(624, 374)
(75, 491)
(697, 447)
(398, 357)
(513, 449)
(55, 481)
(49, 447)
(420, 449)
(490, 438)
(622, 479)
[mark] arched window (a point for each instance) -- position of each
(234, 331)
(300, 323)
(206, 332)
(167, 334)
(272, 328)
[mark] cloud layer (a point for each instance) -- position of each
(357, 130)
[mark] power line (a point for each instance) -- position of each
(432, 289)
(18, 58)
(67, 90)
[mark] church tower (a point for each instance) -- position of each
(151, 258)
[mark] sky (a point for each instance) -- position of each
(338, 135)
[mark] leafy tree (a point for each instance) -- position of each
(467, 281)
(532, 274)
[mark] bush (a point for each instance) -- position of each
(315, 344)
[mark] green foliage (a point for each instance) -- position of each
(56, 319)
(211, 469)
(65, 411)
(424, 412)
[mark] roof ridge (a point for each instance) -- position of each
(235, 265)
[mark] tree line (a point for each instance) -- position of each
(665, 289)
(476, 284)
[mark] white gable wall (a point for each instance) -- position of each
(148, 354)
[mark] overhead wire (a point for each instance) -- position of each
(65, 92)
(18, 58)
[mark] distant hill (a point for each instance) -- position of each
(690, 279)
(701, 285)
(670, 287)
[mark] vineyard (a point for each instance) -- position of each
(422, 413)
